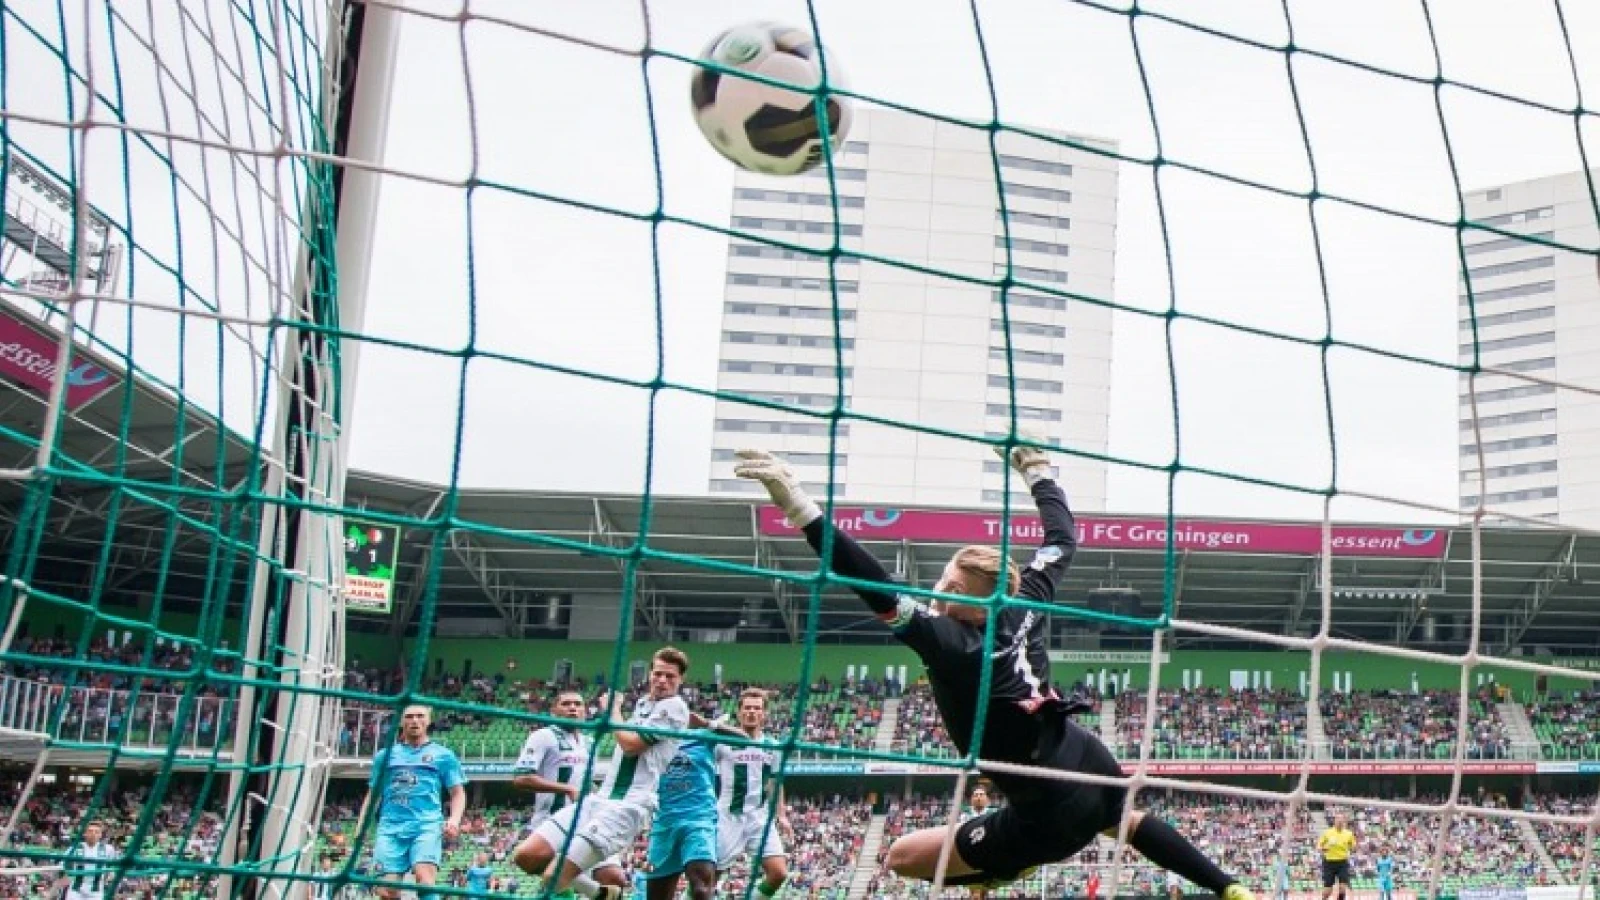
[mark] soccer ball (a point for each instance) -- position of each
(758, 126)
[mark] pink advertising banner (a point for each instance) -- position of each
(1123, 533)
(28, 357)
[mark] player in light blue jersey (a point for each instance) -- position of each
(1386, 876)
(408, 781)
(478, 875)
(683, 838)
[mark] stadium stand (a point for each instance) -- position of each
(1390, 724)
(1208, 723)
(1567, 724)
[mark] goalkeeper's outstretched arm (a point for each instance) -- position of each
(850, 559)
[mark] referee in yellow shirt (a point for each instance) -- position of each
(1336, 844)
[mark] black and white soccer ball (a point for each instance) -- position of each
(759, 126)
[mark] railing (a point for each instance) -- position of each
(99, 717)
(48, 227)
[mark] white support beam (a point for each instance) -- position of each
(419, 580)
(782, 592)
(497, 586)
(1308, 586)
(1534, 603)
(647, 600)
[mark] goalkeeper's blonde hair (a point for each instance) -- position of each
(983, 564)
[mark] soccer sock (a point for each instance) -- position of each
(767, 889)
(1163, 845)
(586, 886)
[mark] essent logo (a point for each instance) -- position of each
(879, 518)
(1418, 537)
(86, 375)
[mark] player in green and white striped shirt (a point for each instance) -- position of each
(553, 761)
(747, 776)
(88, 871)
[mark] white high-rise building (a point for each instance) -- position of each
(1538, 312)
(921, 348)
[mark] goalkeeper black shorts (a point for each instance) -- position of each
(1046, 820)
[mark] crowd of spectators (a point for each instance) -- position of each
(1564, 842)
(1567, 724)
(1409, 725)
(1207, 723)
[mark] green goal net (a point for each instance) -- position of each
(1344, 249)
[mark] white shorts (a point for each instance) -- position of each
(85, 895)
(606, 832)
(741, 834)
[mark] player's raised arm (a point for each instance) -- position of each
(1049, 565)
(850, 559)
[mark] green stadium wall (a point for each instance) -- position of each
(780, 663)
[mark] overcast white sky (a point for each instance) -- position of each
(574, 288)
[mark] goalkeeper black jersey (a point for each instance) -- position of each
(1021, 699)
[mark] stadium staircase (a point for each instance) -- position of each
(867, 861)
(1530, 836)
(1316, 735)
(1319, 822)
(884, 741)
(1108, 722)
(1518, 729)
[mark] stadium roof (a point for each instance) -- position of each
(1538, 585)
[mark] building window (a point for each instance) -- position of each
(1036, 439)
(1036, 193)
(749, 367)
(1034, 165)
(1533, 468)
(1032, 274)
(789, 456)
(787, 312)
(1529, 365)
(1512, 343)
(996, 467)
(1028, 246)
(1521, 290)
(802, 198)
(761, 251)
(1546, 493)
(1506, 243)
(1522, 443)
(1038, 385)
(759, 426)
(1029, 356)
(1033, 413)
(737, 486)
(1028, 218)
(1029, 328)
(1522, 215)
(1521, 315)
(1032, 301)
(1519, 418)
(816, 401)
(1516, 393)
(840, 173)
(1018, 498)
(1521, 265)
(795, 225)
(790, 283)
(785, 340)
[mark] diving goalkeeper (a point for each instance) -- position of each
(1026, 722)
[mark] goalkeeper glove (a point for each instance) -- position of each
(781, 484)
(1030, 462)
